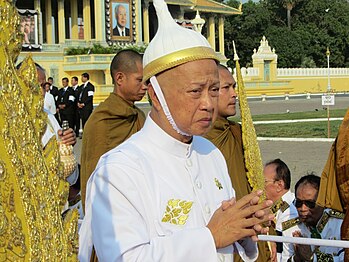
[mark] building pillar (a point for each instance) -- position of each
(108, 80)
(137, 32)
(146, 22)
(39, 20)
(211, 32)
(61, 22)
(74, 19)
(86, 13)
(49, 32)
(99, 20)
(221, 34)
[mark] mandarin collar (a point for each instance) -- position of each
(158, 137)
(288, 197)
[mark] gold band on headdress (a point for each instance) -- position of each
(178, 58)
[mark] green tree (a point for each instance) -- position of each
(316, 24)
(288, 46)
(246, 30)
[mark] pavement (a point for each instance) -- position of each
(301, 156)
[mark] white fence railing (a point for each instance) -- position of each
(312, 72)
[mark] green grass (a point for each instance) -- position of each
(299, 115)
(298, 130)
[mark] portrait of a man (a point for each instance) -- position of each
(28, 29)
(121, 23)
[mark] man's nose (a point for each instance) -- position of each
(304, 208)
(207, 101)
(233, 93)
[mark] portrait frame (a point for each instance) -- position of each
(29, 29)
(120, 21)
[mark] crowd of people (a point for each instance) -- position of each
(72, 103)
(116, 119)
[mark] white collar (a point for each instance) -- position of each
(121, 30)
(288, 197)
(159, 138)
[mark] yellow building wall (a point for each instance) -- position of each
(57, 65)
(295, 85)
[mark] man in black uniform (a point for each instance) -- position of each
(66, 103)
(85, 102)
(77, 90)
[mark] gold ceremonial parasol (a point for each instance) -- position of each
(32, 187)
(252, 154)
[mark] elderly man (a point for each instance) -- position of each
(226, 135)
(315, 222)
(117, 118)
(277, 188)
(157, 196)
(121, 20)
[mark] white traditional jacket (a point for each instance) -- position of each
(150, 199)
(328, 227)
(285, 212)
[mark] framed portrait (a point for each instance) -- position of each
(120, 22)
(29, 28)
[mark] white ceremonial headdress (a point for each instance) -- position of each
(173, 45)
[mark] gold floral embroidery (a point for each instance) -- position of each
(218, 184)
(177, 211)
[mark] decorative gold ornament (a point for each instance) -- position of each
(67, 155)
(218, 184)
(252, 154)
(67, 158)
(32, 186)
(177, 211)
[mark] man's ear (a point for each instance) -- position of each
(153, 97)
(119, 78)
(281, 185)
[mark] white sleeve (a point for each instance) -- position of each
(49, 103)
(54, 124)
(288, 248)
(73, 177)
(52, 104)
(247, 249)
(118, 223)
(52, 128)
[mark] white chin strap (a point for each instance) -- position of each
(164, 106)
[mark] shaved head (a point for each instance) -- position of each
(125, 61)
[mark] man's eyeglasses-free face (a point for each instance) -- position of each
(309, 203)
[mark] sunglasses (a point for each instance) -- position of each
(309, 203)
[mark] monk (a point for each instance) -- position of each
(117, 118)
(334, 187)
(227, 136)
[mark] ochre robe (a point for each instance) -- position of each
(334, 187)
(110, 124)
(227, 137)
